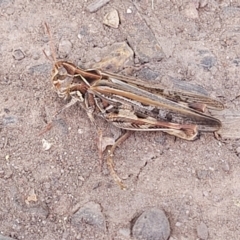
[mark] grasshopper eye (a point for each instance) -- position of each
(60, 77)
(62, 71)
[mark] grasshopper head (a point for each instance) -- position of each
(60, 80)
(66, 83)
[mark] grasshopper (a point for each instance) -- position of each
(133, 104)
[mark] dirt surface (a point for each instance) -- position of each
(197, 184)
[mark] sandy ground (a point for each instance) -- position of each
(197, 184)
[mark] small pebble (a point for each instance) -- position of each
(83, 31)
(18, 54)
(35, 56)
(111, 19)
(202, 231)
(225, 166)
(46, 145)
(129, 10)
(202, 174)
(125, 232)
(178, 224)
(238, 150)
(32, 197)
(205, 194)
(81, 178)
(80, 131)
(191, 11)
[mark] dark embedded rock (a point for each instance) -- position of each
(116, 57)
(96, 5)
(40, 69)
(152, 224)
(5, 238)
(89, 214)
(9, 120)
(236, 62)
(18, 55)
(208, 62)
(140, 37)
(147, 74)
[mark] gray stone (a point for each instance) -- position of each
(147, 74)
(90, 214)
(208, 62)
(96, 5)
(236, 61)
(38, 211)
(5, 238)
(40, 69)
(152, 224)
(9, 120)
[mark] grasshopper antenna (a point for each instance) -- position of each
(52, 47)
(53, 59)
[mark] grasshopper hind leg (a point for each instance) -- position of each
(187, 134)
(110, 162)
